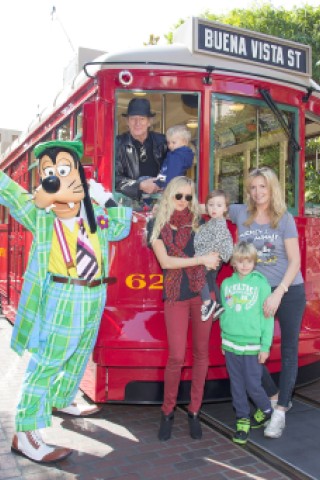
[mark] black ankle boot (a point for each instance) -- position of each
(166, 423)
(194, 426)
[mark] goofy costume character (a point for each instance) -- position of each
(64, 292)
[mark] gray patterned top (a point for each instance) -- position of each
(214, 236)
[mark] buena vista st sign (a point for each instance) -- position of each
(218, 39)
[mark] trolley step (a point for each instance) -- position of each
(296, 452)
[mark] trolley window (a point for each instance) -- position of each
(171, 108)
(63, 132)
(246, 135)
(78, 122)
(3, 214)
(312, 165)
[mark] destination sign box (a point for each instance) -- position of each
(214, 38)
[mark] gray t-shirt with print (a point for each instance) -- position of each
(269, 242)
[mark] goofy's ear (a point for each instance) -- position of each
(87, 200)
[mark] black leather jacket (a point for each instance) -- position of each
(127, 162)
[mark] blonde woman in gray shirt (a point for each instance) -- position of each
(265, 222)
(214, 236)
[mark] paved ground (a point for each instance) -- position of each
(120, 443)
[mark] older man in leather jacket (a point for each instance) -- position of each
(139, 152)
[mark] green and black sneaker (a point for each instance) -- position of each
(260, 418)
(242, 433)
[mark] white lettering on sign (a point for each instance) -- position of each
(252, 47)
(267, 52)
(294, 58)
(225, 42)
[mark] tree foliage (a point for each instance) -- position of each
(301, 24)
(153, 40)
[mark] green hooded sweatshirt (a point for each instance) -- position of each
(244, 328)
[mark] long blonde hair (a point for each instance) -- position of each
(167, 203)
(277, 207)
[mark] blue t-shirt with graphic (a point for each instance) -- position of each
(269, 242)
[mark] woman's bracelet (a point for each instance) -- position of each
(285, 288)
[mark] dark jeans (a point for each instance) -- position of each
(289, 314)
(245, 374)
(211, 285)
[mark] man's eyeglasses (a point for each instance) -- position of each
(179, 196)
(143, 154)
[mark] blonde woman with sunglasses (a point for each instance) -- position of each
(265, 222)
(172, 240)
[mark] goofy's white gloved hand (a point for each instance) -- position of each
(98, 193)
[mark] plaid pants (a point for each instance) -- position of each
(70, 318)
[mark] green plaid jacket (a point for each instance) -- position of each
(40, 224)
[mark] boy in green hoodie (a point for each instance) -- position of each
(246, 336)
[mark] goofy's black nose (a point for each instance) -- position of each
(51, 184)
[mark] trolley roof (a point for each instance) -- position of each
(207, 46)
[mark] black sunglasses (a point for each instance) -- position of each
(179, 196)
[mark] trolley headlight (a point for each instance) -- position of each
(125, 78)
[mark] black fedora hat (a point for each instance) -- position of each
(139, 106)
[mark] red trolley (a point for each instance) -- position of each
(248, 100)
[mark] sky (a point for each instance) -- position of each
(36, 46)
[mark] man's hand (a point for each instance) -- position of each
(148, 186)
